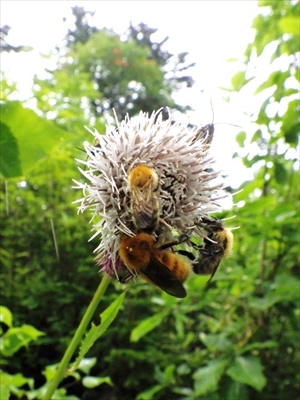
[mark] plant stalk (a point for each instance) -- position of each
(77, 337)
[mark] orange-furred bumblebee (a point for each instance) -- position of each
(143, 185)
(155, 264)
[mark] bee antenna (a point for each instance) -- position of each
(228, 123)
(226, 219)
(239, 191)
(212, 111)
(78, 148)
(211, 106)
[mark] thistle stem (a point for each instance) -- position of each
(77, 337)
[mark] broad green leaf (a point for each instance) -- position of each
(8, 381)
(240, 138)
(248, 370)
(94, 381)
(146, 326)
(291, 135)
(267, 84)
(34, 137)
(216, 342)
(95, 332)
(4, 391)
(15, 338)
(238, 80)
(6, 316)
(9, 152)
(289, 24)
(281, 174)
(234, 390)
(263, 304)
(287, 287)
(207, 378)
(86, 364)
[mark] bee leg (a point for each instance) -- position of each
(187, 254)
(175, 242)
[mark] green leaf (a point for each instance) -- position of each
(4, 391)
(12, 381)
(34, 137)
(10, 165)
(240, 138)
(207, 378)
(271, 81)
(263, 304)
(269, 344)
(95, 332)
(6, 316)
(289, 24)
(248, 370)
(234, 390)
(216, 342)
(238, 80)
(15, 338)
(281, 174)
(150, 393)
(146, 326)
(94, 381)
(86, 364)
(291, 135)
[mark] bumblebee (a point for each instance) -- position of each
(143, 186)
(205, 134)
(156, 265)
(216, 246)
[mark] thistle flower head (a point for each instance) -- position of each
(188, 185)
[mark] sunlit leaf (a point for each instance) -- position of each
(15, 338)
(6, 316)
(289, 24)
(86, 364)
(94, 381)
(240, 138)
(238, 80)
(30, 137)
(4, 391)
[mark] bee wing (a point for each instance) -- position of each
(205, 134)
(144, 208)
(208, 262)
(161, 276)
(143, 213)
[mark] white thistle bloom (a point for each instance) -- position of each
(188, 184)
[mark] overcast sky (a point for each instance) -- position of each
(210, 31)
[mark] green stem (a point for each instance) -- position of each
(77, 337)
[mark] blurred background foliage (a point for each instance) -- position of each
(237, 339)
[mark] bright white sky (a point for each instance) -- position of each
(210, 31)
